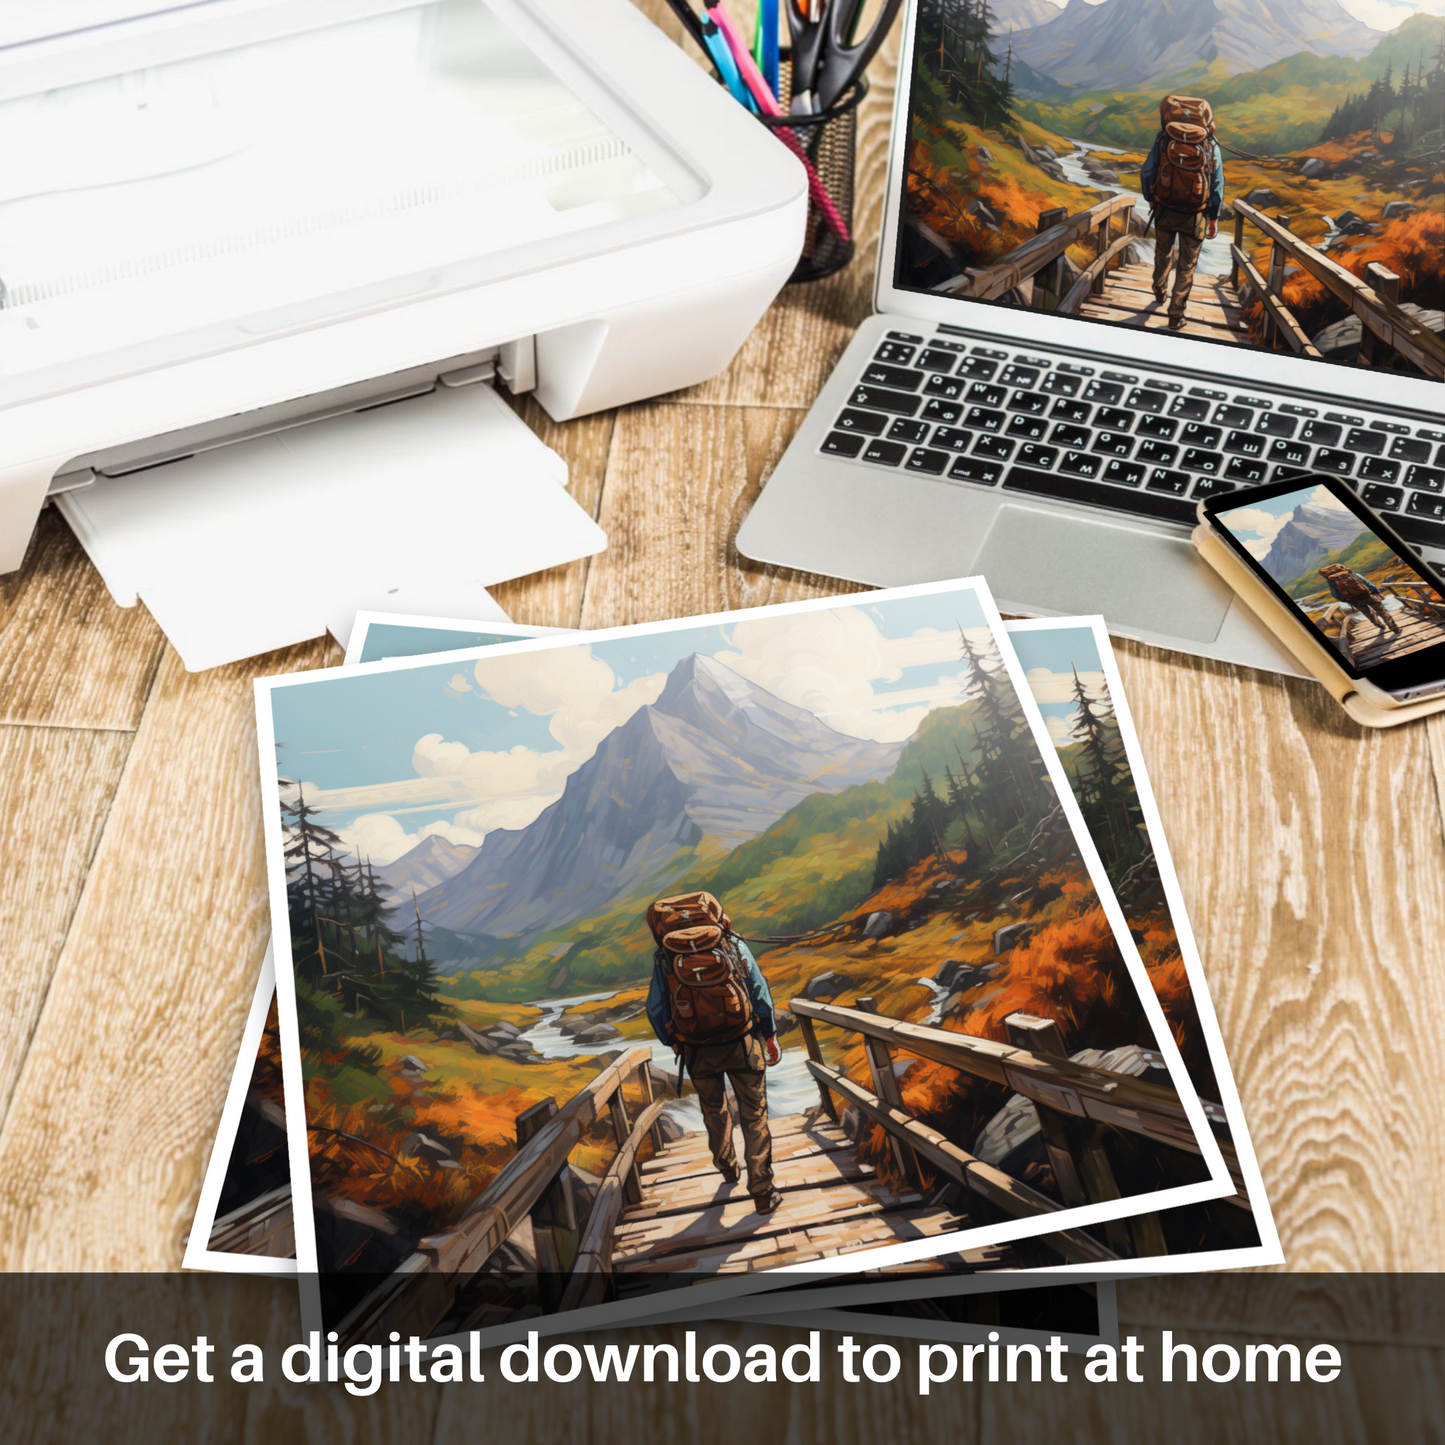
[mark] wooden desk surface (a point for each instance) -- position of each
(133, 910)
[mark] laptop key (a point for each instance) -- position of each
(1189, 408)
(867, 422)
(1060, 383)
(1076, 411)
(904, 336)
(1070, 436)
(1426, 504)
(1199, 460)
(1113, 444)
(1331, 459)
(1019, 375)
(1372, 443)
(935, 409)
(970, 469)
(953, 438)
(1425, 479)
(1036, 456)
(1156, 426)
(843, 444)
(1244, 444)
(981, 419)
(1378, 469)
(1123, 474)
(877, 374)
(1107, 392)
(878, 398)
(886, 454)
(1227, 414)
(1403, 449)
(977, 368)
(1163, 480)
(907, 430)
(923, 459)
(983, 395)
(1288, 453)
(1081, 464)
(1322, 433)
(948, 387)
(1144, 399)
(1419, 531)
(1210, 487)
(1156, 454)
(1032, 427)
(932, 359)
(1382, 498)
(1100, 494)
(1246, 469)
(1272, 424)
(996, 447)
(895, 353)
(1113, 418)
(1035, 403)
(1195, 435)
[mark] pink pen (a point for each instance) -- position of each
(768, 105)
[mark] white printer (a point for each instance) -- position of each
(224, 224)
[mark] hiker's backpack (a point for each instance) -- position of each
(1186, 153)
(707, 989)
(1346, 585)
(685, 910)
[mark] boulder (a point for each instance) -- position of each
(418, 1145)
(670, 1129)
(825, 985)
(785, 1021)
(878, 924)
(1104, 177)
(1312, 168)
(597, 1034)
(1348, 223)
(1369, 156)
(949, 971)
(503, 1030)
(1341, 341)
(982, 211)
(1047, 152)
(413, 1064)
(1262, 196)
(983, 153)
(1010, 936)
(1226, 212)
(1398, 209)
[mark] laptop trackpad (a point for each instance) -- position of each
(1070, 565)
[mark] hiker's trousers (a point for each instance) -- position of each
(742, 1062)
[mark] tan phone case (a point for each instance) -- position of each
(1300, 641)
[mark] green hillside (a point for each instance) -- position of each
(1280, 108)
(813, 863)
(1364, 554)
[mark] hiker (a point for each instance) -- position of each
(1360, 593)
(710, 1004)
(1183, 180)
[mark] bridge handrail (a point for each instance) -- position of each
(990, 282)
(407, 1301)
(1379, 315)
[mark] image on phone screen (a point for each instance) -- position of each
(1354, 589)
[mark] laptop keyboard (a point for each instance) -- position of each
(1136, 443)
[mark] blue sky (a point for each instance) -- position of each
(463, 747)
(1257, 524)
(1049, 657)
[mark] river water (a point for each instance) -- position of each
(1214, 256)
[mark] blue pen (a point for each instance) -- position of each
(768, 49)
(727, 67)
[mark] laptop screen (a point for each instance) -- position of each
(1268, 175)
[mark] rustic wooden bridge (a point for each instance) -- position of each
(1421, 623)
(673, 1215)
(1112, 288)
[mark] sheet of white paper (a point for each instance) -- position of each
(416, 506)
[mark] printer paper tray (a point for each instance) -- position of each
(417, 506)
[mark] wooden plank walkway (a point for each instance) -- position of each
(1214, 311)
(691, 1220)
(1372, 643)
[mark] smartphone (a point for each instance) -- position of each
(1344, 572)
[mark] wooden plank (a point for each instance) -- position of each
(818, 1171)
(156, 972)
(1284, 320)
(56, 786)
(1095, 269)
(69, 657)
(680, 482)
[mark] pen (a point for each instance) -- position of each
(765, 42)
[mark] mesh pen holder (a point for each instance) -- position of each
(827, 143)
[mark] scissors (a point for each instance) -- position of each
(827, 55)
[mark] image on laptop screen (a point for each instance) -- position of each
(1136, 162)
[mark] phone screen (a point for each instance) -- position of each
(1345, 574)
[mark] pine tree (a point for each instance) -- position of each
(308, 848)
(1002, 735)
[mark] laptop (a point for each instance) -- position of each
(1019, 405)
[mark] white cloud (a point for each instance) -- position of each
(1323, 497)
(1257, 520)
(829, 662)
(379, 837)
(1059, 727)
(1047, 686)
(1387, 14)
(457, 685)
